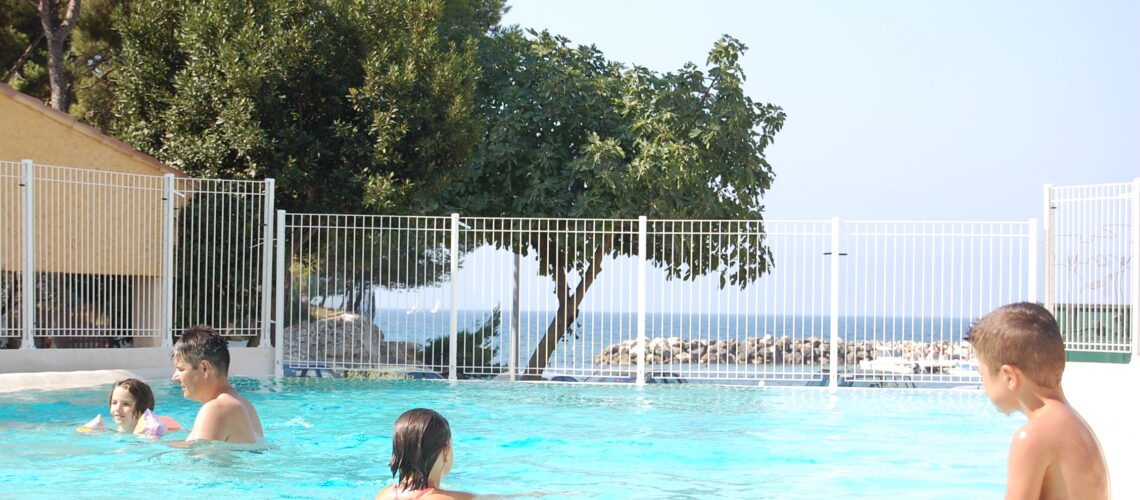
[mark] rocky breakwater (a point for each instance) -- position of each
(770, 350)
(346, 338)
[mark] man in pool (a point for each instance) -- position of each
(201, 364)
(1021, 357)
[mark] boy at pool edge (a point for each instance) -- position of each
(201, 365)
(1021, 357)
(422, 456)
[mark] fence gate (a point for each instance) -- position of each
(92, 258)
(1092, 246)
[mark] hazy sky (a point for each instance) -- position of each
(940, 110)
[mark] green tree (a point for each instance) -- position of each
(569, 133)
(352, 106)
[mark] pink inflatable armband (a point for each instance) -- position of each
(150, 425)
(95, 425)
(171, 424)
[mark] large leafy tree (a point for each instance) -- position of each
(352, 106)
(571, 134)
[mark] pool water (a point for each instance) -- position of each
(331, 438)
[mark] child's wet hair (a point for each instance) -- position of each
(1024, 335)
(144, 397)
(418, 438)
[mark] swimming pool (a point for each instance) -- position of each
(331, 439)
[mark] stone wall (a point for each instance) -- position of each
(770, 350)
(347, 338)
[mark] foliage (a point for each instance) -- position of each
(219, 272)
(569, 133)
(477, 349)
(353, 107)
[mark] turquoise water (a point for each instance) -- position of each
(330, 438)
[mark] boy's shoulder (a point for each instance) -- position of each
(1052, 421)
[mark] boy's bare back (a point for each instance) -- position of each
(1056, 455)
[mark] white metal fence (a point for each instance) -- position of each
(861, 302)
(104, 258)
(1092, 246)
(100, 259)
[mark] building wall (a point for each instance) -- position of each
(104, 220)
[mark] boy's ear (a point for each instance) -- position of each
(205, 366)
(1011, 376)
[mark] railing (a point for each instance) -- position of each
(103, 259)
(1092, 246)
(113, 259)
(860, 302)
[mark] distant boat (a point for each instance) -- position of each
(415, 306)
(435, 308)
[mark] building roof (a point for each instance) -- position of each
(66, 120)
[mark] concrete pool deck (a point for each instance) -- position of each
(1103, 394)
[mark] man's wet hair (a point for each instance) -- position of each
(202, 342)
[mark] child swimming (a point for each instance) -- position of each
(130, 398)
(132, 408)
(422, 457)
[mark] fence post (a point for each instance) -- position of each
(513, 355)
(167, 259)
(833, 356)
(1135, 299)
(453, 341)
(642, 228)
(279, 296)
(1032, 276)
(28, 291)
(267, 266)
(1050, 222)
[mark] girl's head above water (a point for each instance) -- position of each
(421, 449)
(129, 399)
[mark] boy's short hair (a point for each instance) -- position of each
(1024, 335)
(202, 342)
(144, 397)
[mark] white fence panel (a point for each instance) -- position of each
(911, 290)
(221, 255)
(1091, 269)
(11, 251)
(103, 267)
(364, 292)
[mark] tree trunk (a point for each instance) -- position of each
(23, 58)
(56, 39)
(567, 309)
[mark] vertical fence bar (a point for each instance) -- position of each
(27, 298)
(453, 341)
(1050, 222)
(1134, 300)
(167, 260)
(833, 353)
(267, 265)
(1031, 274)
(642, 229)
(279, 297)
(513, 353)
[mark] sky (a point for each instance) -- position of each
(929, 110)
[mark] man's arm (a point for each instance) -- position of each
(210, 423)
(1028, 459)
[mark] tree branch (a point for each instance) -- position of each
(23, 57)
